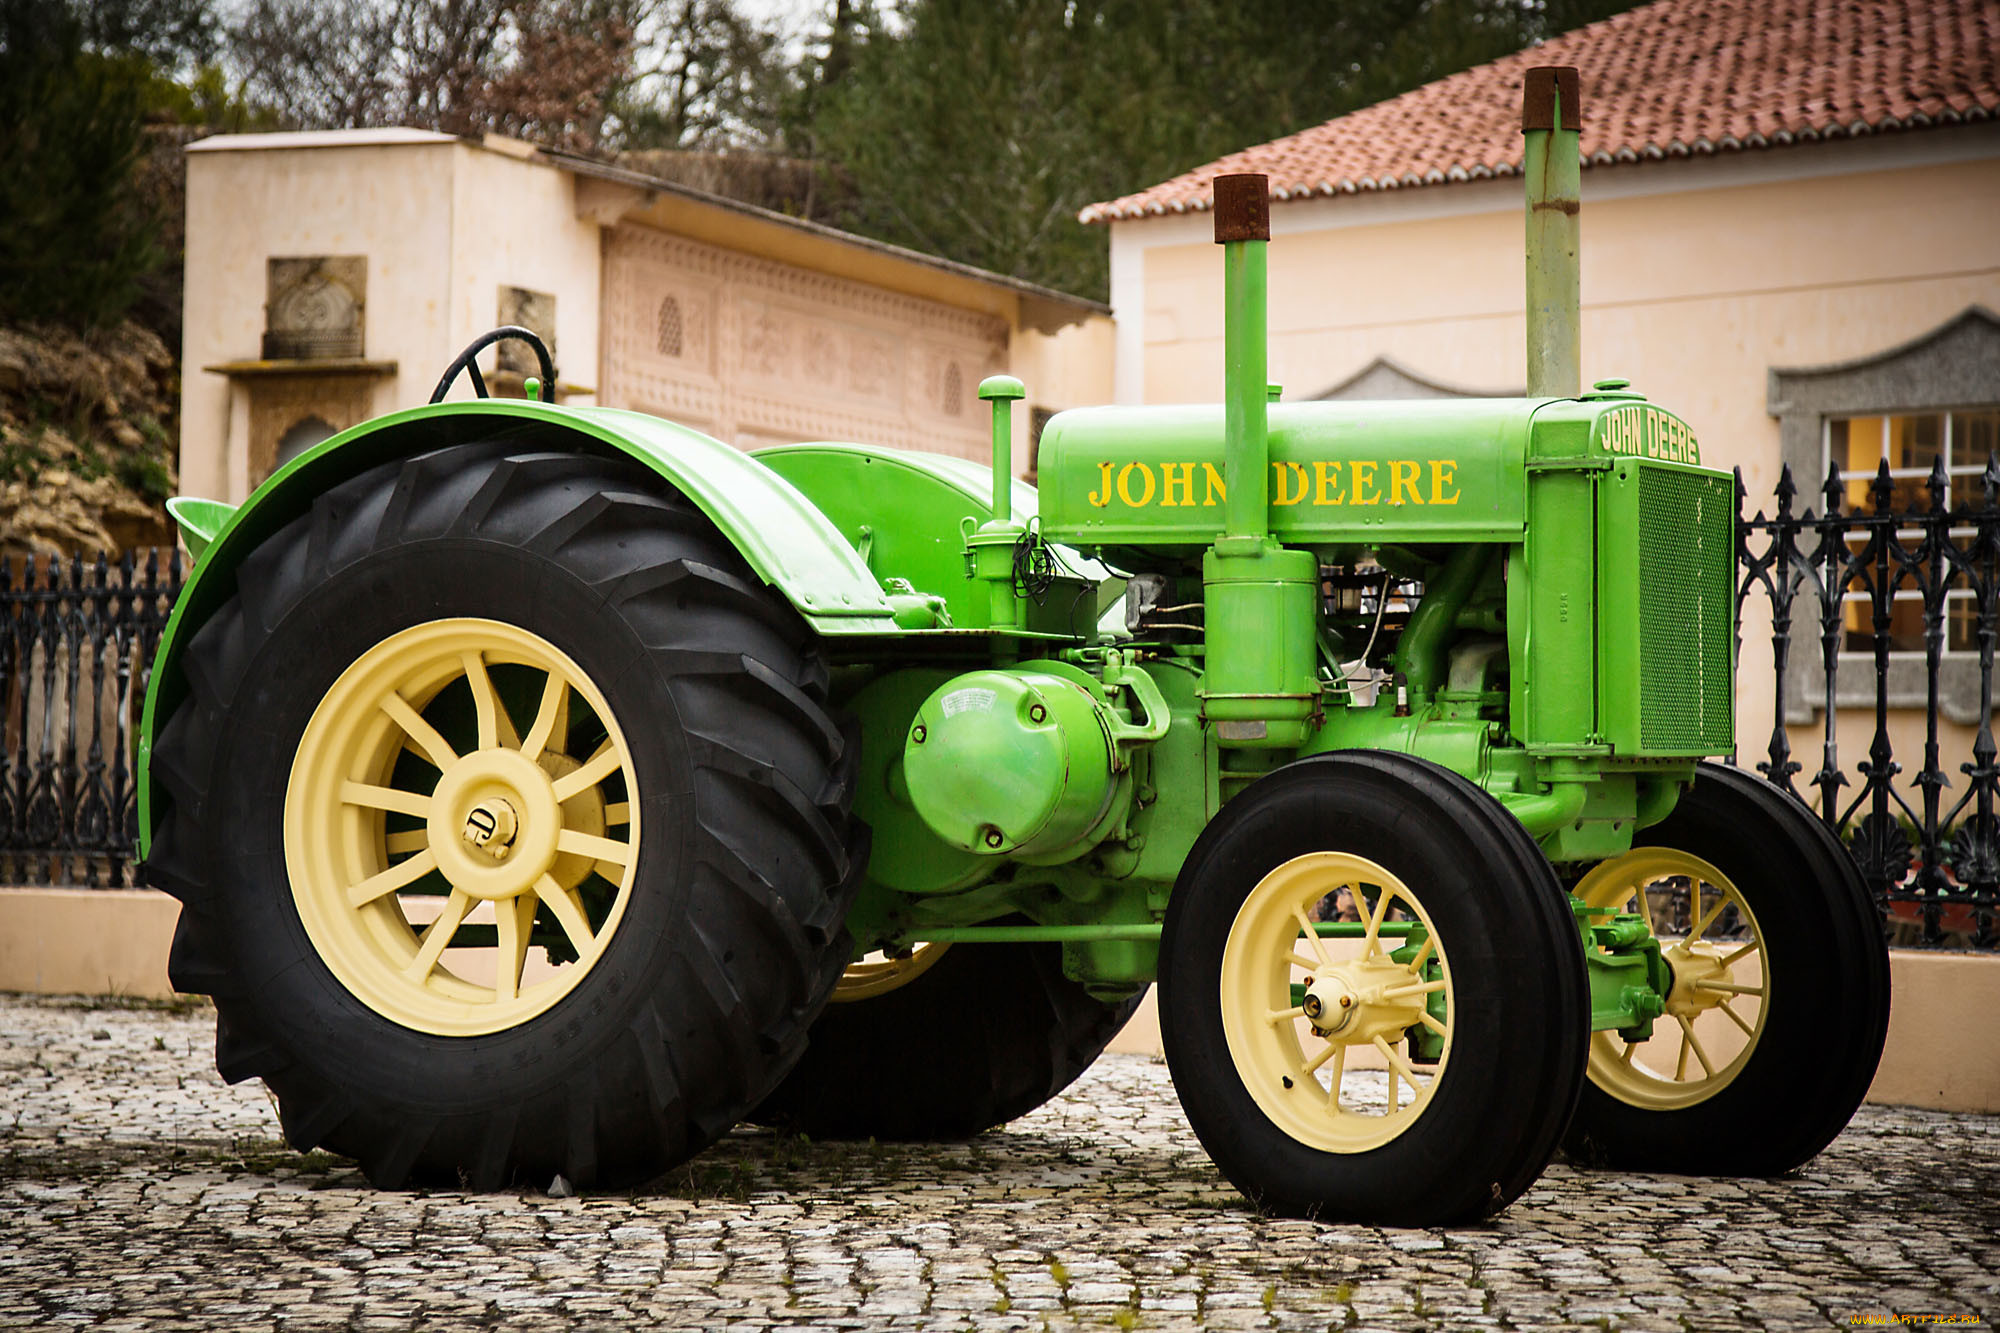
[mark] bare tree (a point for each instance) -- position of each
(541, 69)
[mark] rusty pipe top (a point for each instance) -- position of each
(1242, 208)
(1539, 91)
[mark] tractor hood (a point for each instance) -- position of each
(1341, 472)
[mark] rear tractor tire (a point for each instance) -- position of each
(1459, 976)
(1780, 1000)
(509, 823)
(944, 1044)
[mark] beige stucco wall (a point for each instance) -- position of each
(1698, 277)
(445, 223)
(1070, 368)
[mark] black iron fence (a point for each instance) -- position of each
(1895, 580)
(1885, 597)
(76, 648)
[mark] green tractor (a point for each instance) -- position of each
(549, 790)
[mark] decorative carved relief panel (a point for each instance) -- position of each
(759, 352)
(280, 405)
(535, 312)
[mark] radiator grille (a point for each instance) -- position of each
(1687, 551)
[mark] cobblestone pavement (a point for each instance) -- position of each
(136, 1191)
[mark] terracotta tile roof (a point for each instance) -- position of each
(1679, 78)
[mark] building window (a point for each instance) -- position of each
(670, 334)
(1912, 443)
(1945, 376)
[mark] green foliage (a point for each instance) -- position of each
(978, 129)
(77, 240)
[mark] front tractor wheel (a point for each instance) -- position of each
(1372, 994)
(1780, 997)
(509, 823)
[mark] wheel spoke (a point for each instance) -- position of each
(411, 840)
(1687, 1027)
(1285, 1015)
(485, 703)
(1409, 988)
(1333, 1087)
(1708, 918)
(1370, 943)
(435, 746)
(1731, 987)
(1311, 1066)
(551, 718)
(1631, 1049)
(595, 769)
(1645, 907)
(1729, 959)
(514, 920)
(1423, 956)
(415, 804)
(398, 876)
(1429, 1020)
(1681, 1064)
(618, 812)
(437, 936)
(594, 847)
(1400, 1066)
(568, 911)
(1306, 925)
(1737, 1018)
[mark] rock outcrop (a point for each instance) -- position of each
(86, 439)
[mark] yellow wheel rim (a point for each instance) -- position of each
(1715, 1011)
(457, 874)
(879, 973)
(1302, 1060)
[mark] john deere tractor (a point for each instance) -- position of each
(548, 790)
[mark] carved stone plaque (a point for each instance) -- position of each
(314, 307)
(535, 312)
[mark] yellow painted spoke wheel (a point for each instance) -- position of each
(456, 866)
(1715, 1011)
(1412, 1063)
(1307, 1017)
(1779, 999)
(878, 973)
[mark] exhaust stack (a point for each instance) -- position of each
(1243, 229)
(1551, 113)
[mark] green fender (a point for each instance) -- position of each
(780, 533)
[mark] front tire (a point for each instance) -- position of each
(508, 821)
(1780, 1003)
(1261, 1016)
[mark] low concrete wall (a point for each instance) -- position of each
(86, 941)
(1944, 1027)
(1943, 1051)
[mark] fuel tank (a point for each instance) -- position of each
(1401, 471)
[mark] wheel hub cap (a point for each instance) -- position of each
(1354, 1001)
(491, 827)
(1701, 977)
(499, 787)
